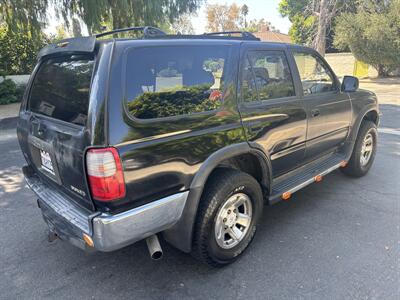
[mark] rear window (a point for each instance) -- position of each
(61, 88)
(175, 80)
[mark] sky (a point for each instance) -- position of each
(258, 9)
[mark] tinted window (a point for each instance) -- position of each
(61, 89)
(249, 90)
(314, 74)
(171, 81)
(270, 74)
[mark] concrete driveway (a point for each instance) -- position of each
(339, 239)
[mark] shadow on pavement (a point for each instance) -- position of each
(335, 239)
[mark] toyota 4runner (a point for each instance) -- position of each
(184, 137)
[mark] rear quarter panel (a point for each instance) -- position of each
(161, 157)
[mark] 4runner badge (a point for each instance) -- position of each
(76, 190)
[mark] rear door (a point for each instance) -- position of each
(328, 109)
(52, 129)
(273, 115)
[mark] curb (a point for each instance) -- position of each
(8, 123)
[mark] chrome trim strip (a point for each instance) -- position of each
(266, 117)
(111, 232)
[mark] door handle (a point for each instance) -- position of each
(315, 113)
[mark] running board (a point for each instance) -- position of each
(283, 188)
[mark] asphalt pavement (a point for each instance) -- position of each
(338, 239)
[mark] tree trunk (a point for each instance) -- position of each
(320, 39)
(382, 71)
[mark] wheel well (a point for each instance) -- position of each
(247, 163)
(372, 116)
(251, 162)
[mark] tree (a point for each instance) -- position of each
(312, 20)
(372, 34)
(24, 16)
(125, 13)
(244, 11)
(258, 25)
(76, 28)
(30, 15)
(18, 52)
(302, 29)
(223, 17)
(183, 25)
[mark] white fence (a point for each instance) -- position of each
(18, 79)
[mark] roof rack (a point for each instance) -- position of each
(148, 31)
(244, 34)
(153, 32)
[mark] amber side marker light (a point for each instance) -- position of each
(343, 164)
(318, 178)
(88, 240)
(286, 195)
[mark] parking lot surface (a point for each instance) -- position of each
(338, 239)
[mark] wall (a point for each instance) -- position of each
(343, 64)
(18, 79)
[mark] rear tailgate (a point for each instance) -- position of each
(52, 129)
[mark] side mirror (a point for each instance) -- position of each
(350, 84)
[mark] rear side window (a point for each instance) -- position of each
(61, 88)
(268, 73)
(171, 81)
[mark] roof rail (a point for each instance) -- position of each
(244, 34)
(153, 32)
(148, 31)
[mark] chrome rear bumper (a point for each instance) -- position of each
(111, 232)
(108, 232)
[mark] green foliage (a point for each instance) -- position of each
(175, 102)
(301, 31)
(26, 17)
(304, 17)
(30, 16)
(18, 51)
(20, 91)
(21, 34)
(276, 90)
(372, 34)
(124, 13)
(303, 21)
(292, 8)
(8, 91)
(258, 25)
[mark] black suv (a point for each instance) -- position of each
(184, 136)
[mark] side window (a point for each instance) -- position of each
(249, 90)
(314, 75)
(174, 80)
(270, 74)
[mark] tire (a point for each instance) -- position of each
(357, 167)
(225, 189)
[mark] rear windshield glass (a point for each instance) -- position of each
(61, 88)
(174, 80)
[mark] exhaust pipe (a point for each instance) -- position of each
(155, 250)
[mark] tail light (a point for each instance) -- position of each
(105, 175)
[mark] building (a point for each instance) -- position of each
(267, 35)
